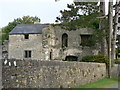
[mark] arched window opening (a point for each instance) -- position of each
(119, 20)
(64, 40)
(51, 55)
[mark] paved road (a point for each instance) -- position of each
(117, 86)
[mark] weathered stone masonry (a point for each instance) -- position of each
(46, 42)
(52, 42)
(17, 46)
(50, 74)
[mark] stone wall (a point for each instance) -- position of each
(50, 74)
(48, 45)
(52, 37)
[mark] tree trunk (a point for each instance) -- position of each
(110, 14)
(115, 30)
(104, 48)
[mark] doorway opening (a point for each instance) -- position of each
(71, 58)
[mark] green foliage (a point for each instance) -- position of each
(117, 51)
(90, 41)
(68, 15)
(101, 58)
(0, 37)
(96, 58)
(104, 83)
(117, 61)
(84, 15)
(3, 36)
(99, 34)
(87, 59)
(87, 8)
(73, 12)
(13, 24)
(89, 21)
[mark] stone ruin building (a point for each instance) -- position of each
(48, 42)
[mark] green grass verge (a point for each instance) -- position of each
(104, 83)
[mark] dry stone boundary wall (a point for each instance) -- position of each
(50, 74)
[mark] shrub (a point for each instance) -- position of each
(101, 58)
(87, 59)
(117, 61)
(96, 58)
(3, 36)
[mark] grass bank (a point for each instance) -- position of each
(104, 83)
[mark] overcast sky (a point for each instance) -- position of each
(46, 10)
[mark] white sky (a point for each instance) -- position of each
(46, 10)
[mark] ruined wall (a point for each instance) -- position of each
(52, 37)
(48, 45)
(50, 74)
(17, 45)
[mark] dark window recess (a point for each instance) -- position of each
(27, 54)
(71, 58)
(118, 28)
(64, 40)
(119, 20)
(86, 40)
(50, 55)
(26, 36)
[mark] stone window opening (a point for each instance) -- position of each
(64, 40)
(86, 40)
(27, 54)
(118, 28)
(51, 55)
(71, 58)
(26, 36)
(119, 20)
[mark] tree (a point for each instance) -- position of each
(86, 8)
(68, 15)
(115, 30)
(104, 48)
(11, 25)
(110, 16)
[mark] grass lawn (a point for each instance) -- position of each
(104, 83)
